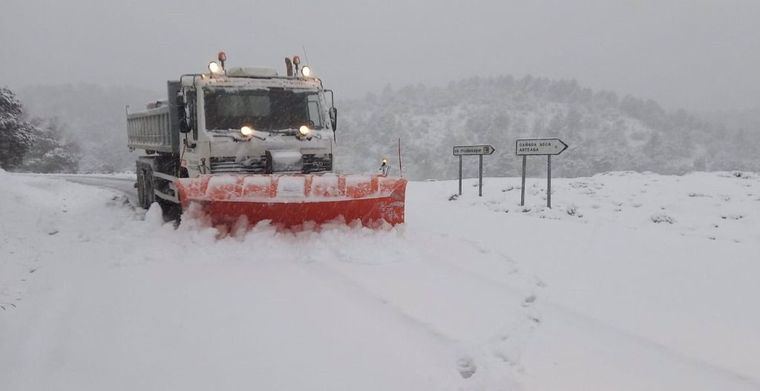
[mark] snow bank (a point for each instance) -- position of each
(35, 213)
(471, 294)
(144, 305)
(674, 289)
(713, 206)
(154, 215)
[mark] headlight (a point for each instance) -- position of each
(304, 130)
(306, 71)
(246, 131)
(214, 68)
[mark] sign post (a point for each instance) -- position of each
(522, 188)
(480, 150)
(460, 174)
(549, 181)
(542, 147)
(480, 175)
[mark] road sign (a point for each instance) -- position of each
(479, 150)
(539, 146)
(460, 150)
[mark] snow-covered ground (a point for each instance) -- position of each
(632, 281)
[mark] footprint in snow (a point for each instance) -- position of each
(466, 367)
(528, 301)
(662, 218)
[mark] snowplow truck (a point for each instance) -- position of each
(249, 143)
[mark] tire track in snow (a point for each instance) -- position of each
(438, 335)
(504, 344)
(664, 350)
(122, 185)
(338, 278)
(510, 341)
(654, 346)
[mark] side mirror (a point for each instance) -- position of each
(184, 127)
(334, 118)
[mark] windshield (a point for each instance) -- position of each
(272, 109)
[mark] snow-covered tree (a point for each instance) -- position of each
(32, 145)
(50, 150)
(15, 132)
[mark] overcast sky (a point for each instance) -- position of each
(695, 54)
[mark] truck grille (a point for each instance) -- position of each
(311, 163)
(228, 164)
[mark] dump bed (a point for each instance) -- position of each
(156, 129)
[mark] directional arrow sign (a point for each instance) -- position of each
(460, 150)
(539, 146)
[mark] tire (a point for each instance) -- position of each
(146, 186)
(145, 194)
(170, 210)
(140, 186)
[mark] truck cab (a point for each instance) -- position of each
(250, 120)
(236, 120)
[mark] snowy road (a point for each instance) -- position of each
(472, 294)
(122, 183)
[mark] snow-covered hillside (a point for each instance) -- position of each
(605, 132)
(631, 282)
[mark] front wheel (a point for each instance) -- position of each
(170, 210)
(145, 195)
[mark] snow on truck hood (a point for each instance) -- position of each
(251, 83)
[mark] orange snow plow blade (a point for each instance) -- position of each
(292, 200)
